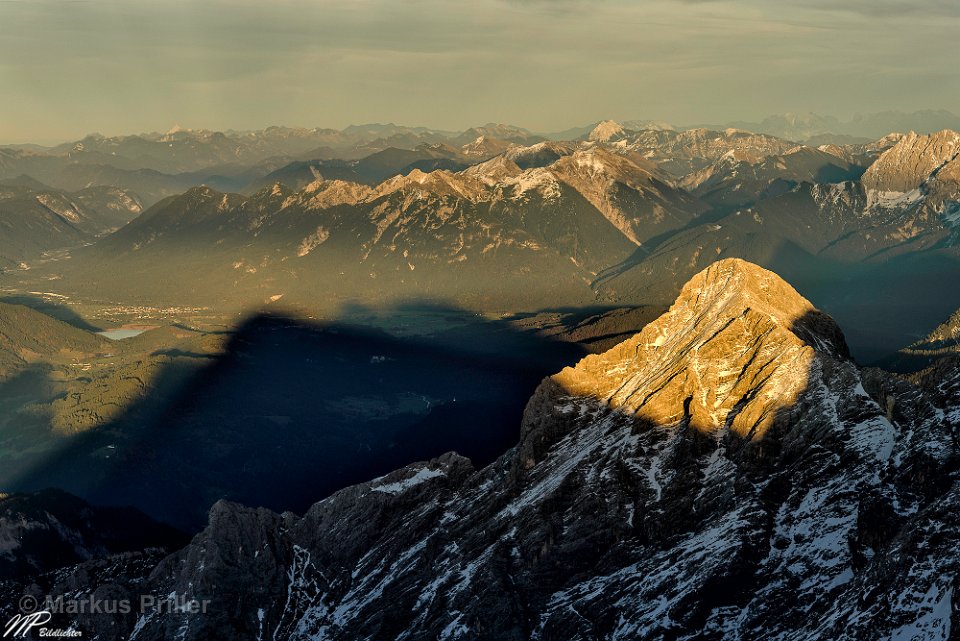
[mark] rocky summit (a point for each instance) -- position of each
(727, 473)
(737, 347)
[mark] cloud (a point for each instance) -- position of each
(890, 8)
(864, 8)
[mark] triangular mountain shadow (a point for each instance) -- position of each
(295, 410)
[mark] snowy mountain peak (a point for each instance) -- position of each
(606, 131)
(438, 183)
(493, 171)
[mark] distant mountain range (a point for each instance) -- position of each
(492, 218)
(160, 164)
(620, 217)
(156, 165)
(35, 218)
(808, 127)
(861, 128)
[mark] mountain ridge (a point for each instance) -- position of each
(570, 223)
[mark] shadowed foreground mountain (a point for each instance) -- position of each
(47, 530)
(727, 473)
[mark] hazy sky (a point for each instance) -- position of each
(70, 67)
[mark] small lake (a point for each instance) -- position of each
(120, 334)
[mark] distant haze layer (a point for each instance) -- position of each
(69, 68)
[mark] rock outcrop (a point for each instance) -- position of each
(910, 162)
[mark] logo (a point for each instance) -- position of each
(20, 625)
(33, 622)
(23, 624)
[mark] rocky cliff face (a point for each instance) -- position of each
(911, 161)
(728, 473)
(917, 167)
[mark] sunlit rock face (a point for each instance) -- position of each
(912, 161)
(738, 345)
(728, 473)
